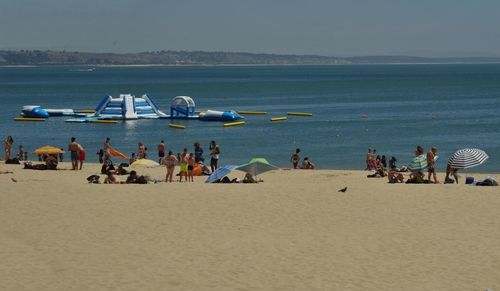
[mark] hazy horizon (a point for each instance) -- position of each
(344, 28)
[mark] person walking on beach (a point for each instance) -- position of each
(74, 148)
(8, 147)
(161, 151)
(198, 153)
(170, 162)
(295, 159)
(431, 161)
(214, 155)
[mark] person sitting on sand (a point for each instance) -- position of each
(451, 171)
(110, 179)
(132, 178)
(307, 165)
(250, 179)
(51, 162)
(20, 153)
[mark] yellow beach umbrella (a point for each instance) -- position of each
(48, 150)
(144, 163)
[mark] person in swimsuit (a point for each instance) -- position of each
(74, 148)
(141, 150)
(51, 162)
(190, 161)
(170, 162)
(132, 159)
(295, 159)
(183, 165)
(111, 179)
(431, 162)
(198, 153)
(161, 151)
(81, 157)
(8, 147)
(214, 154)
(106, 150)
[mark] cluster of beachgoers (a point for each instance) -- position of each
(190, 163)
(381, 168)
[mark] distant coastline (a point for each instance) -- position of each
(23, 58)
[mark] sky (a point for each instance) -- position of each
(438, 28)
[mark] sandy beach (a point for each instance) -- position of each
(294, 231)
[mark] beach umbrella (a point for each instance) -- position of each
(48, 150)
(116, 153)
(144, 163)
(418, 163)
(257, 166)
(467, 158)
(220, 173)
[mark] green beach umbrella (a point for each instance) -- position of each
(257, 166)
(418, 163)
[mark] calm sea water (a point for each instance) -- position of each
(399, 101)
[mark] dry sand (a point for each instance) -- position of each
(292, 232)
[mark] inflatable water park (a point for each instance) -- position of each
(129, 107)
(111, 110)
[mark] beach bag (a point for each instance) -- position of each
(93, 179)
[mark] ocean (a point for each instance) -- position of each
(392, 108)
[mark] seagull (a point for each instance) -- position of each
(343, 189)
(13, 180)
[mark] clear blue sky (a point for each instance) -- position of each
(335, 28)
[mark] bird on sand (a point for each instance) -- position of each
(343, 189)
(13, 180)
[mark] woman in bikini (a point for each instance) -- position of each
(170, 162)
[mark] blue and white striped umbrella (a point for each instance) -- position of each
(467, 158)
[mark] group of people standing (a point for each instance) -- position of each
(184, 159)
